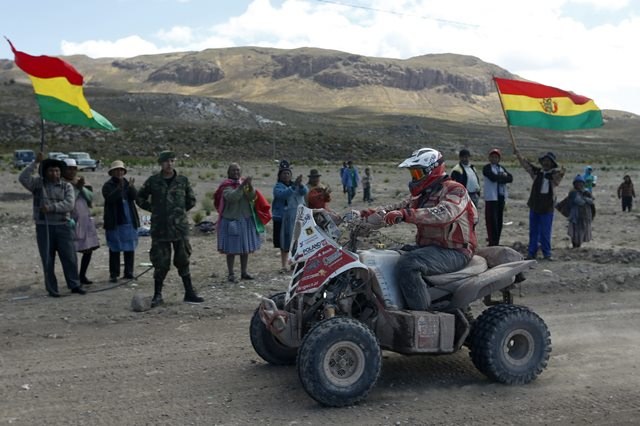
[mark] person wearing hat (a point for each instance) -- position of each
(121, 220)
(288, 194)
(581, 213)
(319, 194)
(541, 201)
(169, 196)
(496, 178)
(465, 173)
(53, 201)
(86, 237)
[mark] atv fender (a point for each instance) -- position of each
(490, 281)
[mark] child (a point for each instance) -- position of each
(626, 193)
(366, 185)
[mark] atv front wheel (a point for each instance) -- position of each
(510, 344)
(339, 361)
(266, 344)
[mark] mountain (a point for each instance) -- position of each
(252, 101)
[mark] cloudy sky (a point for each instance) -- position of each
(587, 46)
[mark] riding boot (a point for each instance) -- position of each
(157, 294)
(114, 266)
(190, 295)
(128, 264)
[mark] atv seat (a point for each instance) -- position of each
(476, 265)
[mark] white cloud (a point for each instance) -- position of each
(178, 34)
(125, 47)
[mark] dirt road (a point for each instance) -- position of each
(191, 365)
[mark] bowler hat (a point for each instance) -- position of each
(551, 156)
(117, 165)
(314, 173)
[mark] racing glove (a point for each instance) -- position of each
(393, 217)
(367, 212)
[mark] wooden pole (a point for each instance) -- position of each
(506, 119)
(42, 135)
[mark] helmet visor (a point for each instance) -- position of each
(417, 173)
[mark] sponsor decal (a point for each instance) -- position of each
(309, 231)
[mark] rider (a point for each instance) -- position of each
(445, 217)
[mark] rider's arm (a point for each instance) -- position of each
(453, 203)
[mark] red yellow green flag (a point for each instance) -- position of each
(535, 105)
(58, 88)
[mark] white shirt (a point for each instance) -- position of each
(472, 179)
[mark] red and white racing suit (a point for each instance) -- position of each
(445, 217)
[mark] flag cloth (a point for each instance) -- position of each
(58, 88)
(535, 105)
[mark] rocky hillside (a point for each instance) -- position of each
(305, 103)
(311, 80)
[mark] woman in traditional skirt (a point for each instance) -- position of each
(121, 221)
(86, 236)
(237, 231)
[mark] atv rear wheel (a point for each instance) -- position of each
(339, 361)
(266, 344)
(510, 344)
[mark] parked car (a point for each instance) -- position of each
(57, 155)
(84, 161)
(23, 157)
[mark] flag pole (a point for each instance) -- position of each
(506, 119)
(42, 135)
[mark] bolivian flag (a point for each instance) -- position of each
(58, 88)
(534, 105)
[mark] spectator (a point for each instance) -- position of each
(367, 181)
(287, 196)
(541, 201)
(626, 193)
(350, 180)
(53, 201)
(342, 169)
(86, 237)
(496, 178)
(121, 220)
(319, 194)
(465, 173)
(237, 233)
(580, 214)
(169, 196)
(589, 178)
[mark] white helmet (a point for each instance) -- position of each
(426, 166)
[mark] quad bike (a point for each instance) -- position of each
(344, 306)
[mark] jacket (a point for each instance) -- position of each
(459, 174)
(58, 197)
(445, 217)
(168, 200)
(286, 199)
(495, 184)
(114, 207)
(538, 202)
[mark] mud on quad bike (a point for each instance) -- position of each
(344, 306)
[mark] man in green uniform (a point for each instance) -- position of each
(169, 196)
